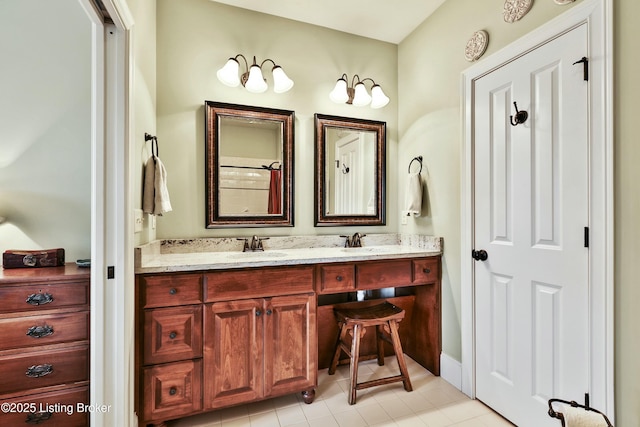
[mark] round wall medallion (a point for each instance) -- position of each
(476, 45)
(514, 10)
(563, 1)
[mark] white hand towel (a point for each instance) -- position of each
(413, 196)
(155, 197)
(579, 417)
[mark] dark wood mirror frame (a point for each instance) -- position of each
(322, 122)
(213, 112)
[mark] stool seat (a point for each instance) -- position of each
(385, 317)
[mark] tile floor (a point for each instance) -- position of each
(433, 403)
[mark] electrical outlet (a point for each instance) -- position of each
(403, 218)
(152, 219)
(138, 216)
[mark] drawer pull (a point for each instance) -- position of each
(38, 417)
(40, 331)
(173, 291)
(339, 278)
(269, 312)
(426, 270)
(258, 313)
(37, 371)
(40, 298)
(173, 391)
(173, 335)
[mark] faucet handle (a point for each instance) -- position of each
(245, 246)
(348, 241)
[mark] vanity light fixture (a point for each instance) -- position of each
(357, 94)
(252, 78)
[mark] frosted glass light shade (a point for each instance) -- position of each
(361, 97)
(281, 82)
(378, 98)
(255, 83)
(339, 93)
(228, 74)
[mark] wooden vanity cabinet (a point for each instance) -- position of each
(44, 350)
(221, 338)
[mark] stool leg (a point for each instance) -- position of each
(397, 348)
(353, 367)
(380, 344)
(338, 351)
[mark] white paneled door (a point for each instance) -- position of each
(531, 184)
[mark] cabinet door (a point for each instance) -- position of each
(290, 349)
(233, 352)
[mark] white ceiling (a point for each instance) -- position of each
(386, 20)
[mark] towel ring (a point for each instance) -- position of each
(419, 159)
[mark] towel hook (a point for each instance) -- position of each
(154, 143)
(419, 159)
(521, 116)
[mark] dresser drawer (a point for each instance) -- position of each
(334, 278)
(56, 409)
(30, 331)
(172, 390)
(258, 282)
(43, 296)
(172, 334)
(425, 271)
(172, 290)
(41, 369)
(384, 274)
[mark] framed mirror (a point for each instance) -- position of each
(350, 171)
(249, 166)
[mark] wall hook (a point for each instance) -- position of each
(521, 116)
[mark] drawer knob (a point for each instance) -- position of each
(339, 278)
(37, 371)
(269, 312)
(426, 270)
(173, 391)
(173, 335)
(40, 298)
(258, 313)
(38, 417)
(173, 291)
(40, 331)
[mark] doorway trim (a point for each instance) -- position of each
(598, 14)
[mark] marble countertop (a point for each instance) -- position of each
(223, 253)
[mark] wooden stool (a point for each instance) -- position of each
(385, 318)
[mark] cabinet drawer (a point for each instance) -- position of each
(40, 369)
(172, 390)
(56, 409)
(172, 290)
(258, 282)
(336, 278)
(43, 296)
(43, 329)
(172, 334)
(385, 274)
(425, 270)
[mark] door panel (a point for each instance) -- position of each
(531, 207)
(233, 361)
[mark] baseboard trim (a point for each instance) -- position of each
(451, 370)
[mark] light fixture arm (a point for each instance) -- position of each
(253, 76)
(342, 92)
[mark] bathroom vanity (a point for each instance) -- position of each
(217, 329)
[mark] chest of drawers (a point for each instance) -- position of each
(44, 350)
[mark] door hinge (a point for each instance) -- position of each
(586, 237)
(585, 67)
(111, 272)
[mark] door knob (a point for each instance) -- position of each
(480, 255)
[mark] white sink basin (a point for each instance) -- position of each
(257, 254)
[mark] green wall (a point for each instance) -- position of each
(195, 38)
